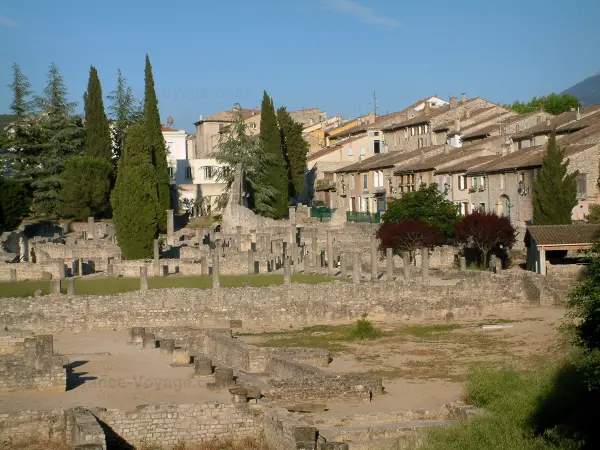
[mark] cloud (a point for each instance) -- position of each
(362, 13)
(6, 22)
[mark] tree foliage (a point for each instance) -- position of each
(59, 137)
(276, 178)
(295, 149)
(485, 231)
(156, 141)
(15, 202)
(238, 149)
(407, 235)
(85, 187)
(553, 104)
(124, 110)
(134, 198)
(428, 205)
(554, 190)
(97, 133)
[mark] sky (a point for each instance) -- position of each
(330, 54)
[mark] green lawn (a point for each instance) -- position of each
(101, 286)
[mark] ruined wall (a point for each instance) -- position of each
(79, 249)
(29, 373)
(30, 271)
(167, 425)
(298, 304)
(25, 427)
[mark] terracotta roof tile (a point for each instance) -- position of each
(466, 164)
(563, 234)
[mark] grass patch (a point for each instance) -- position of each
(427, 331)
(202, 222)
(106, 286)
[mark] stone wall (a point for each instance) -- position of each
(298, 304)
(32, 373)
(167, 425)
(76, 250)
(30, 271)
(25, 427)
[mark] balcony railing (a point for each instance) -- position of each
(322, 213)
(353, 216)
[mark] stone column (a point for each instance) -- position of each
(238, 237)
(137, 335)
(74, 268)
(330, 253)
(287, 272)
(13, 274)
(492, 266)
(314, 251)
(44, 345)
(181, 357)
(156, 258)
(80, 267)
(373, 258)
(203, 265)
(202, 366)
(389, 256)
(91, 229)
(110, 269)
(498, 267)
(463, 264)
(55, 286)
(24, 249)
(425, 264)
(406, 265)
(143, 278)
(250, 262)
(148, 341)
(70, 286)
(170, 227)
(167, 346)
(216, 281)
(356, 268)
(61, 269)
(292, 214)
(294, 257)
(343, 266)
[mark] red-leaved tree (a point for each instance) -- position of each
(407, 235)
(485, 231)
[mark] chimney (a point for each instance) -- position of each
(453, 102)
(577, 114)
(200, 118)
(457, 124)
(371, 117)
(446, 149)
(463, 98)
(427, 108)
(467, 113)
(547, 121)
(422, 156)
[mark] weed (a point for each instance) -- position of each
(364, 329)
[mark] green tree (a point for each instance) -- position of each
(85, 187)
(60, 137)
(123, 111)
(553, 104)
(14, 203)
(554, 190)
(295, 149)
(428, 205)
(276, 176)
(156, 141)
(134, 197)
(238, 149)
(97, 132)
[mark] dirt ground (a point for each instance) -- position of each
(423, 364)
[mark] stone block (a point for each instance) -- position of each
(44, 345)
(235, 323)
(202, 366)
(167, 346)
(149, 341)
(181, 357)
(305, 434)
(137, 335)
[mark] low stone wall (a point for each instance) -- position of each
(282, 367)
(318, 357)
(167, 425)
(26, 373)
(25, 427)
(30, 271)
(234, 353)
(282, 430)
(298, 304)
(79, 249)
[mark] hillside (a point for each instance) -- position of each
(586, 91)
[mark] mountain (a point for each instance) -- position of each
(586, 91)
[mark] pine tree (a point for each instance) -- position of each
(156, 141)
(276, 175)
(97, 131)
(60, 137)
(295, 149)
(554, 190)
(123, 112)
(134, 197)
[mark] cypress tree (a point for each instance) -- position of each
(295, 149)
(134, 197)
(123, 111)
(97, 131)
(156, 141)
(60, 136)
(276, 176)
(554, 190)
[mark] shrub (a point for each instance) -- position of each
(364, 329)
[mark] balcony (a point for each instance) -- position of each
(365, 217)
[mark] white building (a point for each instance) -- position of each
(194, 178)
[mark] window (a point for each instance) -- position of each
(462, 182)
(503, 181)
(188, 173)
(522, 177)
(483, 182)
(474, 182)
(412, 131)
(375, 179)
(420, 144)
(252, 125)
(365, 182)
(426, 128)
(482, 207)
(581, 181)
(208, 172)
(407, 183)
(376, 147)
(349, 151)
(362, 151)
(371, 134)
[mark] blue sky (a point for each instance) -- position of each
(330, 54)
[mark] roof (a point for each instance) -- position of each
(573, 234)
(330, 148)
(564, 122)
(167, 129)
(434, 161)
(379, 121)
(229, 116)
(523, 159)
(472, 114)
(462, 166)
(384, 160)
